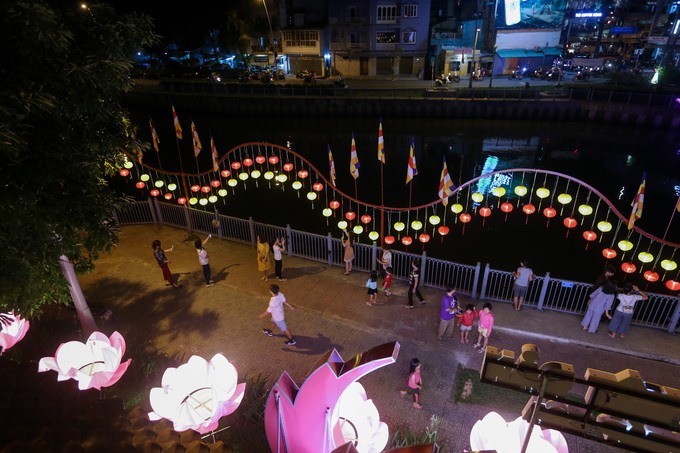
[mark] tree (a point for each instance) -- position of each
(62, 133)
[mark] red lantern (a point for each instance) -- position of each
(349, 215)
(288, 166)
(182, 200)
(549, 212)
(589, 235)
(507, 207)
(609, 253)
(154, 192)
(247, 161)
(334, 204)
(195, 188)
(406, 240)
(485, 212)
(236, 165)
(124, 172)
(215, 183)
(628, 268)
(273, 160)
(443, 230)
(140, 185)
(225, 173)
(317, 186)
(389, 239)
(673, 285)
(424, 238)
(570, 222)
(365, 219)
(205, 189)
(260, 159)
(168, 196)
(302, 174)
(651, 276)
(465, 217)
(529, 209)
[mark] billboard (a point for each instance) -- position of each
(526, 14)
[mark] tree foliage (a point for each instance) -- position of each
(62, 133)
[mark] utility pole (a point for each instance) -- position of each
(474, 63)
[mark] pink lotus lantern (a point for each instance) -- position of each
(197, 394)
(12, 330)
(494, 433)
(94, 364)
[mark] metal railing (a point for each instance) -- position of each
(545, 293)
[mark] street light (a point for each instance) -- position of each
(474, 63)
(271, 30)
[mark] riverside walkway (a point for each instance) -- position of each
(331, 312)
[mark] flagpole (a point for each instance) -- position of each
(675, 208)
(381, 158)
(181, 169)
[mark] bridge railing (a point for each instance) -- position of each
(545, 293)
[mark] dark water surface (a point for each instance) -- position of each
(610, 158)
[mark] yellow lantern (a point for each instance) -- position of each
(399, 226)
(585, 209)
(159, 183)
(645, 257)
(203, 201)
(311, 196)
(172, 186)
(434, 220)
(281, 178)
(358, 229)
(144, 177)
(297, 185)
(373, 235)
(669, 265)
(222, 192)
(212, 198)
(604, 226)
(520, 191)
(127, 164)
(232, 182)
(456, 208)
(477, 197)
(342, 224)
(243, 176)
(268, 175)
(498, 191)
(327, 212)
(193, 200)
(255, 174)
(564, 198)
(625, 245)
(417, 225)
(542, 192)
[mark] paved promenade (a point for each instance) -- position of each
(331, 312)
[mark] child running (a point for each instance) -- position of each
(387, 284)
(465, 321)
(372, 285)
(415, 383)
(485, 326)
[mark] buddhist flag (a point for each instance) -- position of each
(175, 120)
(154, 136)
(197, 141)
(677, 206)
(331, 165)
(445, 185)
(411, 169)
(213, 149)
(638, 203)
(354, 160)
(381, 144)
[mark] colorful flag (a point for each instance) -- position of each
(411, 169)
(214, 154)
(638, 203)
(354, 160)
(154, 137)
(175, 120)
(331, 165)
(445, 185)
(197, 141)
(677, 206)
(381, 144)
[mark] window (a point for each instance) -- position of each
(387, 14)
(408, 37)
(301, 38)
(386, 37)
(410, 10)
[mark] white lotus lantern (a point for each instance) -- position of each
(494, 433)
(94, 364)
(356, 420)
(12, 330)
(197, 394)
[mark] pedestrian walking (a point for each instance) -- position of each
(348, 254)
(415, 383)
(203, 260)
(623, 314)
(372, 285)
(414, 281)
(523, 275)
(599, 303)
(279, 248)
(465, 320)
(263, 264)
(485, 326)
(163, 262)
(387, 283)
(275, 309)
(447, 314)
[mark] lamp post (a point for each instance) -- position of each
(474, 63)
(271, 30)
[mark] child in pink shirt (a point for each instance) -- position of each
(484, 327)
(465, 321)
(415, 384)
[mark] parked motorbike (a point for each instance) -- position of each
(554, 75)
(581, 75)
(310, 78)
(517, 74)
(245, 76)
(302, 74)
(447, 80)
(340, 82)
(539, 74)
(267, 78)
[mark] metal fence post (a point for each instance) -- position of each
(219, 224)
(485, 279)
(374, 255)
(674, 319)
(329, 248)
(253, 236)
(289, 237)
(475, 281)
(423, 262)
(544, 289)
(187, 218)
(157, 209)
(152, 210)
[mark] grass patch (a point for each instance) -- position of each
(404, 437)
(470, 390)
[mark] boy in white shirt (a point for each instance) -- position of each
(275, 308)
